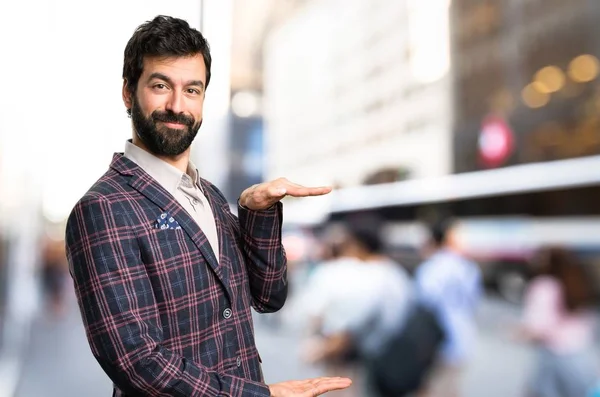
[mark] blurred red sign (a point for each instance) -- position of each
(496, 141)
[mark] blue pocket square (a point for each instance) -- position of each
(166, 221)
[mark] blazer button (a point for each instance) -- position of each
(227, 313)
(238, 361)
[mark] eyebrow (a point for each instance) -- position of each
(165, 78)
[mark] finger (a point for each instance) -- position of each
(313, 381)
(327, 385)
(335, 379)
(290, 183)
(307, 191)
(286, 182)
(297, 186)
(324, 378)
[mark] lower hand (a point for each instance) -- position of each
(309, 387)
(264, 195)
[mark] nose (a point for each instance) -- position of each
(175, 102)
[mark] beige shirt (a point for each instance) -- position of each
(185, 187)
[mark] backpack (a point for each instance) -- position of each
(401, 365)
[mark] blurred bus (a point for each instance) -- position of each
(505, 215)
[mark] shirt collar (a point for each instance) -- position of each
(192, 171)
(164, 173)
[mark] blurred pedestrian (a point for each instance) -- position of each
(450, 285)
(558, 321)
(54, 276)
(361, 299)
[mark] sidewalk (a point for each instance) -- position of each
(12, 354)
(59, 362)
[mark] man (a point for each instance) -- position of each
(164, 274)
(450, 285)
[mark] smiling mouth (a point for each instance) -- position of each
(173, 124)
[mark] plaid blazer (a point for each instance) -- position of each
(162, 316)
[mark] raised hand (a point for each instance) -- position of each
(308, 387)
(264, 195)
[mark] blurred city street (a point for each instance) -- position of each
(59, 362)
(457, 138)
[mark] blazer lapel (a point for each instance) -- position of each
(153, 191)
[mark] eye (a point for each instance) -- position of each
(159, 86)
(193, 91)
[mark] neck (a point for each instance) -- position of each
(358, 254)
(450, 248)
(180, 161)
(374, 257)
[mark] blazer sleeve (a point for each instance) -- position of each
(266, 261)
(120, 313)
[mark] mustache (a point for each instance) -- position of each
(169, 116)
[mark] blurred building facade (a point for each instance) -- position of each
(358, 92)
(242, 160)
(245, 151)
(525, 81)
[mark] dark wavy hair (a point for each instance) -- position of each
(439, 230)
(164, 36)
(565, 267)
(366, 230)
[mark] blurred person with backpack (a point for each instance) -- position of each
(359, 300)
(450, 285)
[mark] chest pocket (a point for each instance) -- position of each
(160, 245)
(174, 264)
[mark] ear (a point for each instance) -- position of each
(127, 99)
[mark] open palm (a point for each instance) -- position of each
(309, 387)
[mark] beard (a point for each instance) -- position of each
(160, 139)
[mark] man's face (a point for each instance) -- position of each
(166, 110)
